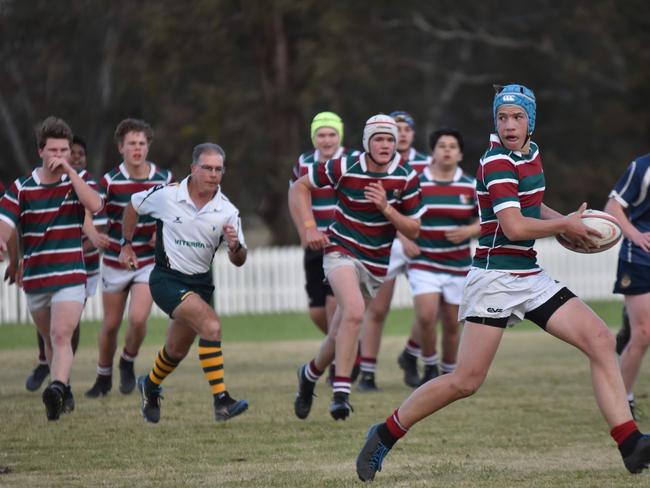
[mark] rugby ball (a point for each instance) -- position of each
(602, 222)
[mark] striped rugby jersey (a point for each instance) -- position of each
(447, 205)
(51, 219)
(508, 179)
(631, 191)
(91, 253)
(360, 229)
(118, 187)
(417, 160)
(323, 200)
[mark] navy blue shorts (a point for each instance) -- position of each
(317, 287)
(632, 279)
(170, 287)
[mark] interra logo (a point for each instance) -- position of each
(183, 242)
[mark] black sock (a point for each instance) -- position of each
(628, 445)
(386, 437)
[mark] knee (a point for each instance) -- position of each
(464, 385)
(58, 339)
(353, 317)
(641, 334)
(212, 331)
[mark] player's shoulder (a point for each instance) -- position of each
(643, 162)
(307, 157)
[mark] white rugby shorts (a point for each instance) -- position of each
(450, 286)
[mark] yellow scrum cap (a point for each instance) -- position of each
(327, 119)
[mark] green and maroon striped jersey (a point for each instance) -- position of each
(417, 160)
(117, 187)
(51, 219)
(447, 205)
(91, 254)
(508, 179)
(359, 228)
(323, 200)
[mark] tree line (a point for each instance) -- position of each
(250, 75)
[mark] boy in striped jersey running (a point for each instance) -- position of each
(133, 175)
(49, 207)
(505, 285)
(401, 250)
(437, 273)
(376, 196)
(327, 138)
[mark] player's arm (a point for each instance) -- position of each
(13, 266)
(409, 227)
(641, 239)
(127, 257)
(516, 227)
(88, 197)
(237, 252)
(297, 222)
(464, 232)
(300, 207)
(96, 237)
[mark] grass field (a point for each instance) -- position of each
(534, 423)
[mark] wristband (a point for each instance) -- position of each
(309, 224)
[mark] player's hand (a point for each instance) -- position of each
(59, 165)
(99, 240)
(411, 249)
(127, 258)
(152, 241)
(316, 239)
(232, 236)
(578, 233)
(11, 272)
(641, 239)
(376, 194)
(459, 234)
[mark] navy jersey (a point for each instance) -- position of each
(631, 191)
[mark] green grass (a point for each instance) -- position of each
(534, 422)
(265, 328)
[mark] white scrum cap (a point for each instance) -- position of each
(378, 124)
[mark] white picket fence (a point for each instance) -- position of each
(272, 280)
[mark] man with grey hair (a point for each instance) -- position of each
(193, 218)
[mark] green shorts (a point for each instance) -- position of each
(169, 287)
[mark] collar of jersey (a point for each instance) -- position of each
(183, 194)
(391, 166)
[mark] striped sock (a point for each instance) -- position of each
(105, 370)
(342, 384)
(163, 366)
(430, 360)
(312, 373)
(392, 430)
(368, 365)
(413, 348)
(446, 368)
(211, 359)
(129, 356)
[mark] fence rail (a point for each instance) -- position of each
(272, 280)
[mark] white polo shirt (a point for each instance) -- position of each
(190, 236)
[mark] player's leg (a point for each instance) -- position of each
(373, 327)
(114, 303)
(575, 323)
(452, 293)
(42, 369)
(64, 317)
(139, 311)
(638, 309)
(180, 338)
(450, 336)
(478, 346)
(309, 373)
(426, 317)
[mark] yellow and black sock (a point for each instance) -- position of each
(162, 367)
(212, 363)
